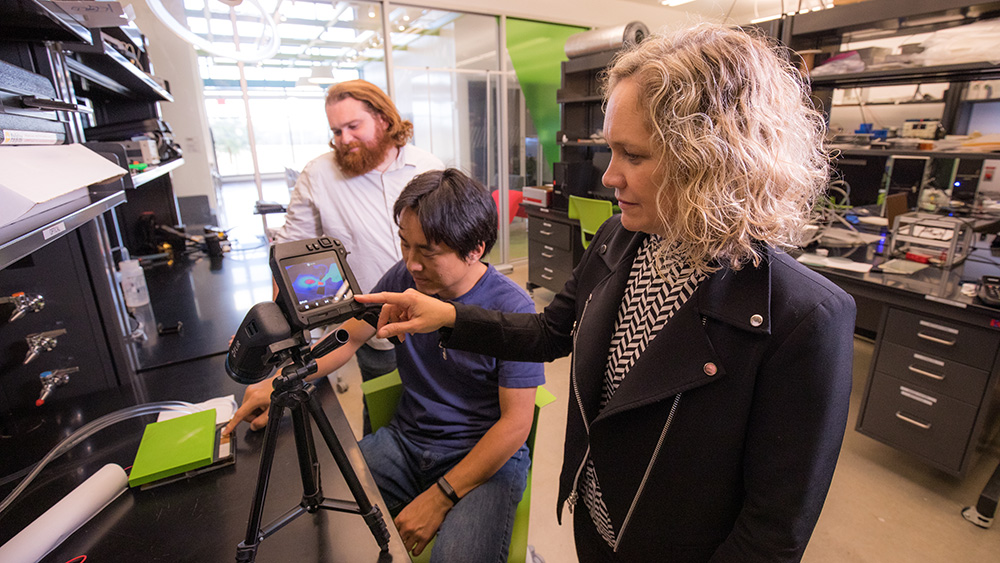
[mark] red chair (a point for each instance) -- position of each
(514, 208)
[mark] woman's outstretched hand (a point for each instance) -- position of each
(409, 312)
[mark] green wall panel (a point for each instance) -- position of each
(536, 50)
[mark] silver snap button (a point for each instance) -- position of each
(710, 369)
(604, 248)
(756, 320)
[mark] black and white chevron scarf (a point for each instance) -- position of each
(656, 289)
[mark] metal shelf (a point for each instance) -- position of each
(35, 20)
(20, 239)
(931, 154)
(877, 14)
(112, 71)
(941, 73)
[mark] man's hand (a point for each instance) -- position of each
(409, 312)
(419, 521)
(256, 401)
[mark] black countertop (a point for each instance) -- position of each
(198, 519)
(935, 285)
(209, 296)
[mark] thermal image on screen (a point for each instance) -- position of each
(314, 281)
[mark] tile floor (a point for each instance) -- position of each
(883, 507)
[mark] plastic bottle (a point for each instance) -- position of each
(133, 283)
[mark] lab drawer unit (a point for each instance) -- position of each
(554, 248)
(927, 387)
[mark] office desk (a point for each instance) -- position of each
(201, 519)
(210, 296)
(931, 384)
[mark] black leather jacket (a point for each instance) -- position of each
(721, 442)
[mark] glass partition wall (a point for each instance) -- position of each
(446, 72)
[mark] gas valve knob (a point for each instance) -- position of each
(42, 342)
(52, 379)
(24, 304)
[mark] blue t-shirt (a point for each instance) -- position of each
(450, 397)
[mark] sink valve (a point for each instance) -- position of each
(23, 304)
(42, 342)
(52, 379)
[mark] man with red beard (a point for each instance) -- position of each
(348, 194)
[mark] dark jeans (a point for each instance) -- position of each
(373, 363)
(477, 529)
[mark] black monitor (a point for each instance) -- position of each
(864, 176)
(906, 175)
(598, 190)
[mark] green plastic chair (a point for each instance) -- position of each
(591, 213)
(382, 395)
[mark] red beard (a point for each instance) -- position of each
(365, 159)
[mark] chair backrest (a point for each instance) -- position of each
(591, 213)
(513, 204)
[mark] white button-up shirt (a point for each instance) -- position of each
(357, 211)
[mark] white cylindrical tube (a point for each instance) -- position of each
(66, 516)
(605, 39)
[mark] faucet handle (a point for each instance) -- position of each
(23, 304)
(52, 379)
(42, 342)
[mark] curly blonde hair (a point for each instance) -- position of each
(741, 159)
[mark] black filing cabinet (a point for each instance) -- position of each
(554, 248)
(926, 391)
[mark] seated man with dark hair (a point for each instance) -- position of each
(463, 419)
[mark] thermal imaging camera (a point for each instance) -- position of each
(316, 287)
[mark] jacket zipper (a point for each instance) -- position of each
(645, 477)
(573, 495)
(649, 467)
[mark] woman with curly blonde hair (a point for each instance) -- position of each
(711, 372)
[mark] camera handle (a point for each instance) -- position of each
(292, 392)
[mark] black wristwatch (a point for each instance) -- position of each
(448, 490)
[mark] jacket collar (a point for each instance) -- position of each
(678, 358)
(741, 298)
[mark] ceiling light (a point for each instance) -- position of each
(406, 17)
(321, 74)
(402, 28)
(673, 3)
(371, 13)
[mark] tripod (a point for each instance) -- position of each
(292, 392)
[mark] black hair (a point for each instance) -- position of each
(453, 209)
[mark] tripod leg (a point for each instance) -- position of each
(312, 492)
(247, 550)
(371, 513)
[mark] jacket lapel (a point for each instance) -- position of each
(681, 356)
(597, 323)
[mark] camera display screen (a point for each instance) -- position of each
(317, 280)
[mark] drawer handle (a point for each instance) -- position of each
(547, 255)
(544, 224)
(546, 233)
(917, 423)
(935, 339)
(933, 376)
(549, 270)
(547, 277)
